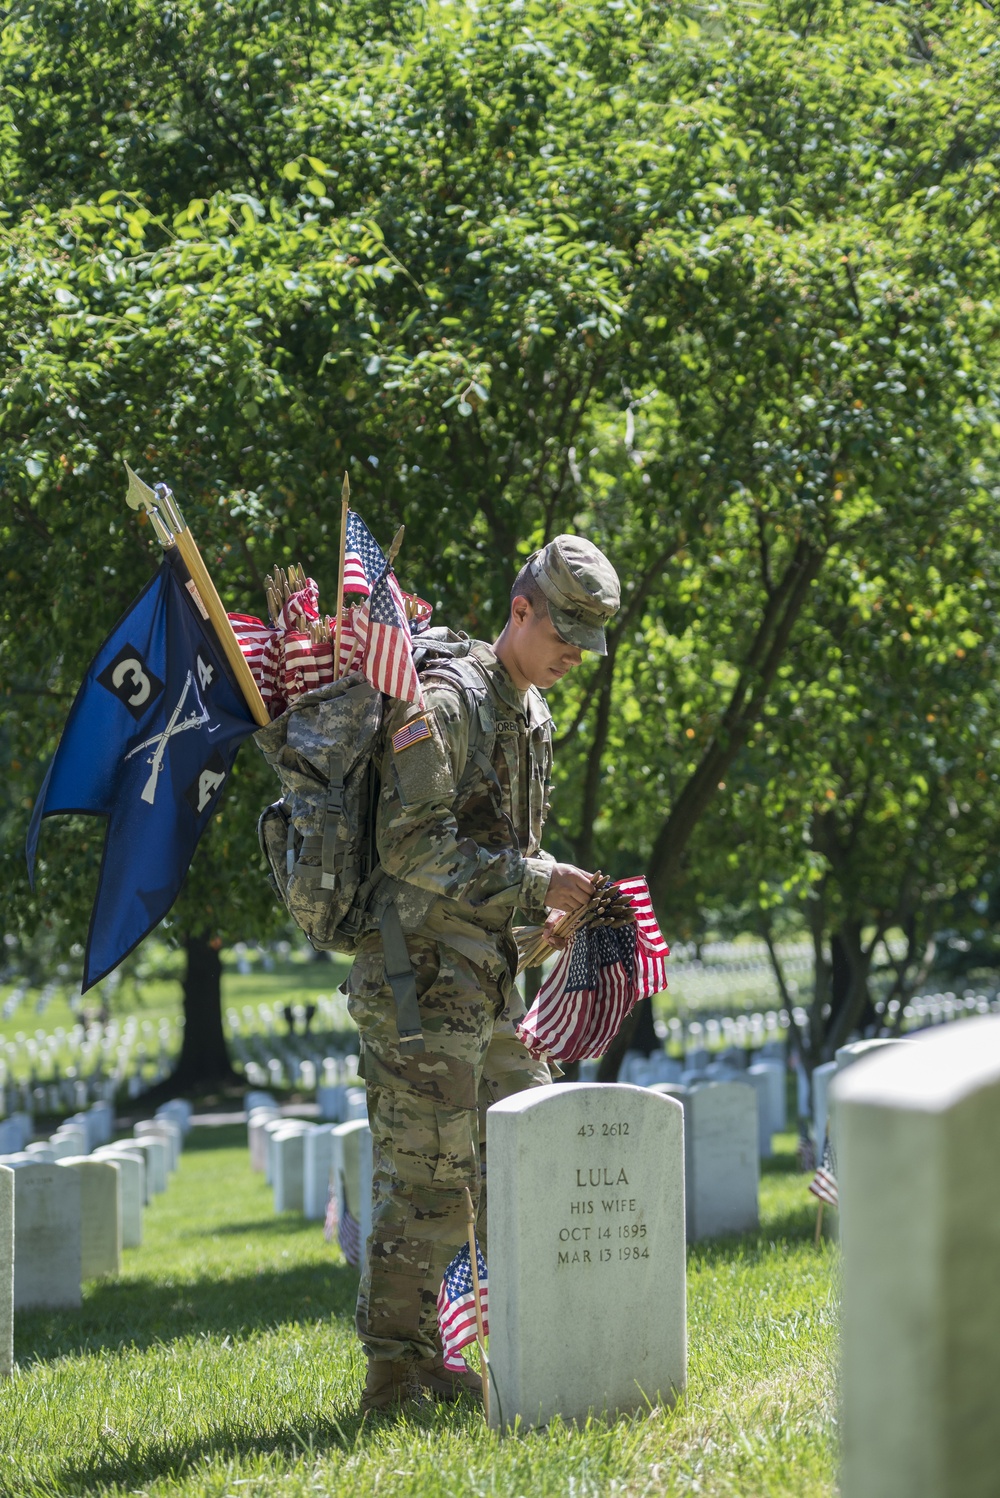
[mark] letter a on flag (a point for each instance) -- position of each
(149, 743)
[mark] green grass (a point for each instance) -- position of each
(223, 1364)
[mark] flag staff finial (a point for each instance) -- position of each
(345, 499)
(157, 503)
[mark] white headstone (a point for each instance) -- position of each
(162, 1128)
(42, 1152)
(356, 1104)
(721, 1160)
(721, 1071)
(917, 1128)
(366, 1184)
(6, 1271)
(331, 1099)
(664, 1068)
(587, 1253)
(157, 1152)
(179, 1110)
(849, 1055)
(860, 1050)
(634, 1068)
(773, 1092)
(257, 1137)
(288, 1166)
(72, 1139)
(258, 1099)
(270, 1129)
(91, 1126)
(352, 1166)
(47, 1262)
(317, 1166)
(761, 1079)
(132, 1166)
(821, 1078)
(100, 1214)
(104, 1116)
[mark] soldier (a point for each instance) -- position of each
(468, 835)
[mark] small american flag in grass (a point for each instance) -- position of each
(456, 1306)
(341, 1224)
(349, 1236)
(824, 1182)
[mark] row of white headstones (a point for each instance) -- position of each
(729, 1119)
(304, 1162)
(731, 1115)
(86, 1064)
(587, 1212)
(587, 1215)
(71, 1203)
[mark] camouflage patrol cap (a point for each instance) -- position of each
(581, 587)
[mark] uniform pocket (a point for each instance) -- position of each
(457, 1162)
(433, 1145)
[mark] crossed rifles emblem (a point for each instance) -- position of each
(198, 715)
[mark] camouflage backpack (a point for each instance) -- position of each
(319, 838)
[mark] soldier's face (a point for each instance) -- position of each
(543, 655)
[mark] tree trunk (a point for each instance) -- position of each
(851, 1005)
(204, 1057)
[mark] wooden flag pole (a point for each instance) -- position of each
(175, 532)
(480, 1334)
(345, 499)
(819, 1225)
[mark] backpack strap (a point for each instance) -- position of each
(334, 810)
(465, 673)
(399, 975)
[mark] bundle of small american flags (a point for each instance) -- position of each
(597, 980)
(456, 1306)
(295, 653)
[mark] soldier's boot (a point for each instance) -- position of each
(390, 1384)
(445, 1383)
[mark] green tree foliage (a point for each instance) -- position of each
(715, 287)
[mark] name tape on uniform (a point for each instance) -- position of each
(410, 734)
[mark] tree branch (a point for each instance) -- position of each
(763, 657)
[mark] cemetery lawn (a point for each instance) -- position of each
(222, 1364)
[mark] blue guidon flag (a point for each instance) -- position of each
(149, 743)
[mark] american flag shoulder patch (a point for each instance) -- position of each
(410, 734)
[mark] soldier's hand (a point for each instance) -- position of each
(569, 888)
(552, 936)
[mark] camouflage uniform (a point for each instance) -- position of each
(479, 855)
